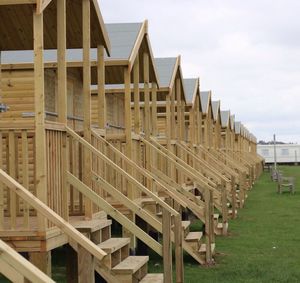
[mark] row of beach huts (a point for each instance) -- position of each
(98, 136)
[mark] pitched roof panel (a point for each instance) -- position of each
(190, 89)
(165, 68)
(204, 98)
(225, 118)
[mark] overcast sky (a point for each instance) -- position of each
(246, 52)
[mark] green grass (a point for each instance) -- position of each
(264, 241)
(263, 244)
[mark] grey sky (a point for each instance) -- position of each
(246, 52)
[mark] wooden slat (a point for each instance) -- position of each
(119, 217)
(51, 215)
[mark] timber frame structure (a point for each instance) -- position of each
(93, 131)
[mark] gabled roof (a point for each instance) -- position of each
(215, 109)
(18, 34)
(122, 39)
(225, 118)
(205, 97)
(237, 127)
(167, 70)
(191, 87)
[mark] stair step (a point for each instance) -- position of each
(185, 224)
(113, 244)
(220, 225)
(130, 265)
(216, 216)
(193, 236)
(148, 201)
(153, 278)
(203, 248)
(230, 211)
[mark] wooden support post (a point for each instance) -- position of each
(154, 108)
(146, 95)
(62, 93)
(168, 120)
(224, 207)
(1, 185)
(87, 99)
(167, 246)
(178, 249)
(136, 80)
(101, 87)
(128, 149)
(71, 265)
(61, 61)
(173, 121)
(179, 110)
(39, 104)
(85, 266)
(42, 260)
(208, 225)
(233, 193)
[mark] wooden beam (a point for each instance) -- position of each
(39, 104)
(118, 216)
(51, 215)
(136, 91)
(86, 25)
(127, 176)
(101, 88)
(61, 61)
(146, 97)
(20, 266)
(17, 2)
(42, 260)
(167, 247)
(154, 108)
(41, 5)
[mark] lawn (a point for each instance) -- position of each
(263, 244)
(264, 241)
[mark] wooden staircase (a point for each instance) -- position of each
(193, 242)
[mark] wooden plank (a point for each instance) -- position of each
(61, 61)
(39, 104)
(101, 88)
(120, 170)
(42, 260)
(178, 249)
(1, 185)
(25, 176)
(136, 91)
(119, 217)
(51, 215)
(85, 266)
(86, 43)
(20, 265)
(117, 195)
(154, 108)
(167, 246)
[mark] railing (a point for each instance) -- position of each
(16, 268)
(103, 186)
(17, 159)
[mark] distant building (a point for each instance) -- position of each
(285, 153)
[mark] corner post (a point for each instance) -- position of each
(39, 104)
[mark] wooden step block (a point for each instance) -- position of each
(202, 249)
(220, 225)
(130, 265)
(193, 236)
(216, 216)
(153, 278)
(113, 244)
(185, 224)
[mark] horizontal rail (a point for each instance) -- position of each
(128, 177)
(139, 169)
(18, 264)
(114, 213)
(51, 216)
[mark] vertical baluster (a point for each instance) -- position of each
(1, 186)
(25, 176)
(12, 172)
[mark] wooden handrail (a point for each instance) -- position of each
(188, 170)
(12, 263)
(212, 170)
(142, 171)
(114, 213)
(126, 175)
(51, 216)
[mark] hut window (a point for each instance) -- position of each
(265, 152)
(285, 151)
